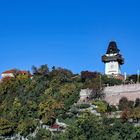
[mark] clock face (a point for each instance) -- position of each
(112, 66)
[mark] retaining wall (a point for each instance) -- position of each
(114, 93)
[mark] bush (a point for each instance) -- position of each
(137, 102)
(83, 106)
(26, 126)
(6, 127)
(124, 103)
(43, 134)
(111, 108)
(108, 121)
(102, 105)
(74, 110)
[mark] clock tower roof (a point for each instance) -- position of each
(113, 54)
(112, 48)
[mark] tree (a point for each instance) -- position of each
(42, 70)
(46, 96)
(133, 78)
(6, 127)
(92, 80)
(126, 114)
(26, 126)
(86, 127)
(136, 114)
(96, 86)
(123, 103)
(130, 104)
(88, 75)
(43, 134)
(110, 81)
(34, 70)
(62, 75)
(48, 110)
(137, 102)
(69, 94)
(120, 131)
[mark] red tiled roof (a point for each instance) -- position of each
(55, 126)
(14, 71)
(120, 77)
(22, 72)
(10, 71)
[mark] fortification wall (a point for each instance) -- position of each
(114, 93)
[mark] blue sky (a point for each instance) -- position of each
(68, 33)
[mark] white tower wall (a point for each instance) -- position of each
(112, 67)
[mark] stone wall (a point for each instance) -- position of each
(84, 94)
(115, 93)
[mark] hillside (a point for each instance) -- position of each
(45, 107)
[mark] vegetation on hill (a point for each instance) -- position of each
(91, 127)
(47, 95)
(26, 103)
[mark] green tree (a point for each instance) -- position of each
(110, 81)
(43, 134)
(120, 131)
(86, 127)
(137, 102)
(42, 70)
(48, 110)
(6, 127)
(26, 126)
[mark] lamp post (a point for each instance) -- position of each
(138, 76)
(125, 77)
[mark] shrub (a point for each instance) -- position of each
(74, 110)
(102, 105)
(6, 127)
(137, 102)
(111, 108)
(83, 106)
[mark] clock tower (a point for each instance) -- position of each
(113, 60)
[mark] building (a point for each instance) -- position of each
(9, 73)
(113, 60)
(13, 73)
